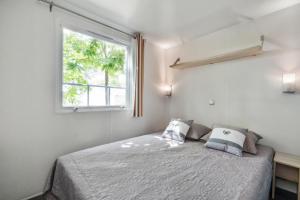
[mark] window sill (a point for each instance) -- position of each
(91, 109)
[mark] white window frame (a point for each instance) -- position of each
(93, 31)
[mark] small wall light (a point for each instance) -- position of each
(167, 89)
(288, 83)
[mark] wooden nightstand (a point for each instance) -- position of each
(286, 166)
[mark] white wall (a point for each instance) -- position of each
(32, 134)
(247, 92)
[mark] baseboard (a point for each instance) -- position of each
(33, 196)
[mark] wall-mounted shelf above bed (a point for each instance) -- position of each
(251, 51)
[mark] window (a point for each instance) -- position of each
(94, 71)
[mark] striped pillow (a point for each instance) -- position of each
(228, 140)
(177, 129)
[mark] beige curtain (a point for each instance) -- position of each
(139, 78)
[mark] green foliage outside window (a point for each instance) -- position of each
(83, 54)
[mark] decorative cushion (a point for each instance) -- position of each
(242, 130)
(206, 137)
(197, 131)
(251, 140)
(177, 129)
(228, 140)
(259, 137)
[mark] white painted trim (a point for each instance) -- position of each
(94, 31)
(33, 196)
(92, 109)
(85, 11)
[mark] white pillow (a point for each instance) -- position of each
(177, 129)
(228, 140)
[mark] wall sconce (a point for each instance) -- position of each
(167, 89)
(289, 83)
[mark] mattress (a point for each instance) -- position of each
(150, 167)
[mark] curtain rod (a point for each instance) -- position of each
(52, 4)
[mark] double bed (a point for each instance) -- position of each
(150, 167)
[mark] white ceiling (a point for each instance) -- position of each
(171, 22)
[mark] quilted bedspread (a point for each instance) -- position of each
(152, 168)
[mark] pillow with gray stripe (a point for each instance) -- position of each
(228, 140)
(242, 130)
(177, 129)
(251, 140)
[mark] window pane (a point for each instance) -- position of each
(89, 62)
(95, 77)
(118, 80)
(97, 96)
(117, 97)
(74, 95)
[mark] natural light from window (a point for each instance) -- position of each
(94, 71)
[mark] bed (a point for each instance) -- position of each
(150, 167)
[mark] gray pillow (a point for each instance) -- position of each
(205, 137)
(197, 131)
(259, 137)
(250, 142)
(177, 129)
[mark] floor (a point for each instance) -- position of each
(280, 195)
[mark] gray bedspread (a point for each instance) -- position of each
(151, 168)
